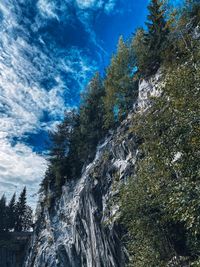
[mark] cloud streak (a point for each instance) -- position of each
(48, 49)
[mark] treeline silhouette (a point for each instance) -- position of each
(16, 215)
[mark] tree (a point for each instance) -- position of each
(58, 157)
(88, 129)
(3, 214)
(91, 116)
(27, 219)
(161, 202)
(141, 51)
(148, 46)
(120, 88)
(23, 213)
(157, 32)
(11, 213)
(156, 24)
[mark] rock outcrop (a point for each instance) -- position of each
(83, 229)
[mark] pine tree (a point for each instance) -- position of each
(11, 213)
(141, 51)
(60, 141)
(20, 211)
(149, 46)
(3, 214)
(157, 32)
(91, 115)
(119, 85)
(89, 126)
(27, 219)
(156, 24)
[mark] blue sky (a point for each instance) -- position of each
(48, 51)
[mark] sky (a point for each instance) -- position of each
(49, 49)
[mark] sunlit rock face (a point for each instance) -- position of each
(147, 90)
(83, 228)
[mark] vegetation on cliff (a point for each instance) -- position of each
(160, 204)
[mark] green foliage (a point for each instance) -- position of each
(23, 214)
(161, 204)
(3, 213)
(74, 142)
(120, 88)
(15, 216)
(11, 212)
(60, 140)
(182, 44)
(141, 51)
(90, 128)
(157, 26)
(149, 45)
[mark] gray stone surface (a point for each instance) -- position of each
(83, 229)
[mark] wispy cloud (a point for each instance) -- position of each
(48, 50)
(19, 166)
(42, 72)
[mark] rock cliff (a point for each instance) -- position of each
(83, 228)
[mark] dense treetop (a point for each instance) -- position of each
(16, 215)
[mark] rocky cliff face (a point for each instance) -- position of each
(83, 229)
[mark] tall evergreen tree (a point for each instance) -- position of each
(119, 84)
(20, 210)
(27, 219)
(60, 140)
(157, 32)
(153, 41)
(11, 213)
(91, 115)
(156, 24)
(3, 214)
(89, 126)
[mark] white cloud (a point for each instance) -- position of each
(89, 4)
(108, 5)
(19, 167)
(23, 100)
(47, 8)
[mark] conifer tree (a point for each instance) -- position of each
(11, 213)
(119, 84)
(148, 46)
(27, 219)
(157, 32)
(91, 115)
(60, 141)
(141, 51)
(156, 24)
(20, 210)
(3, 214)
(88, 129)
